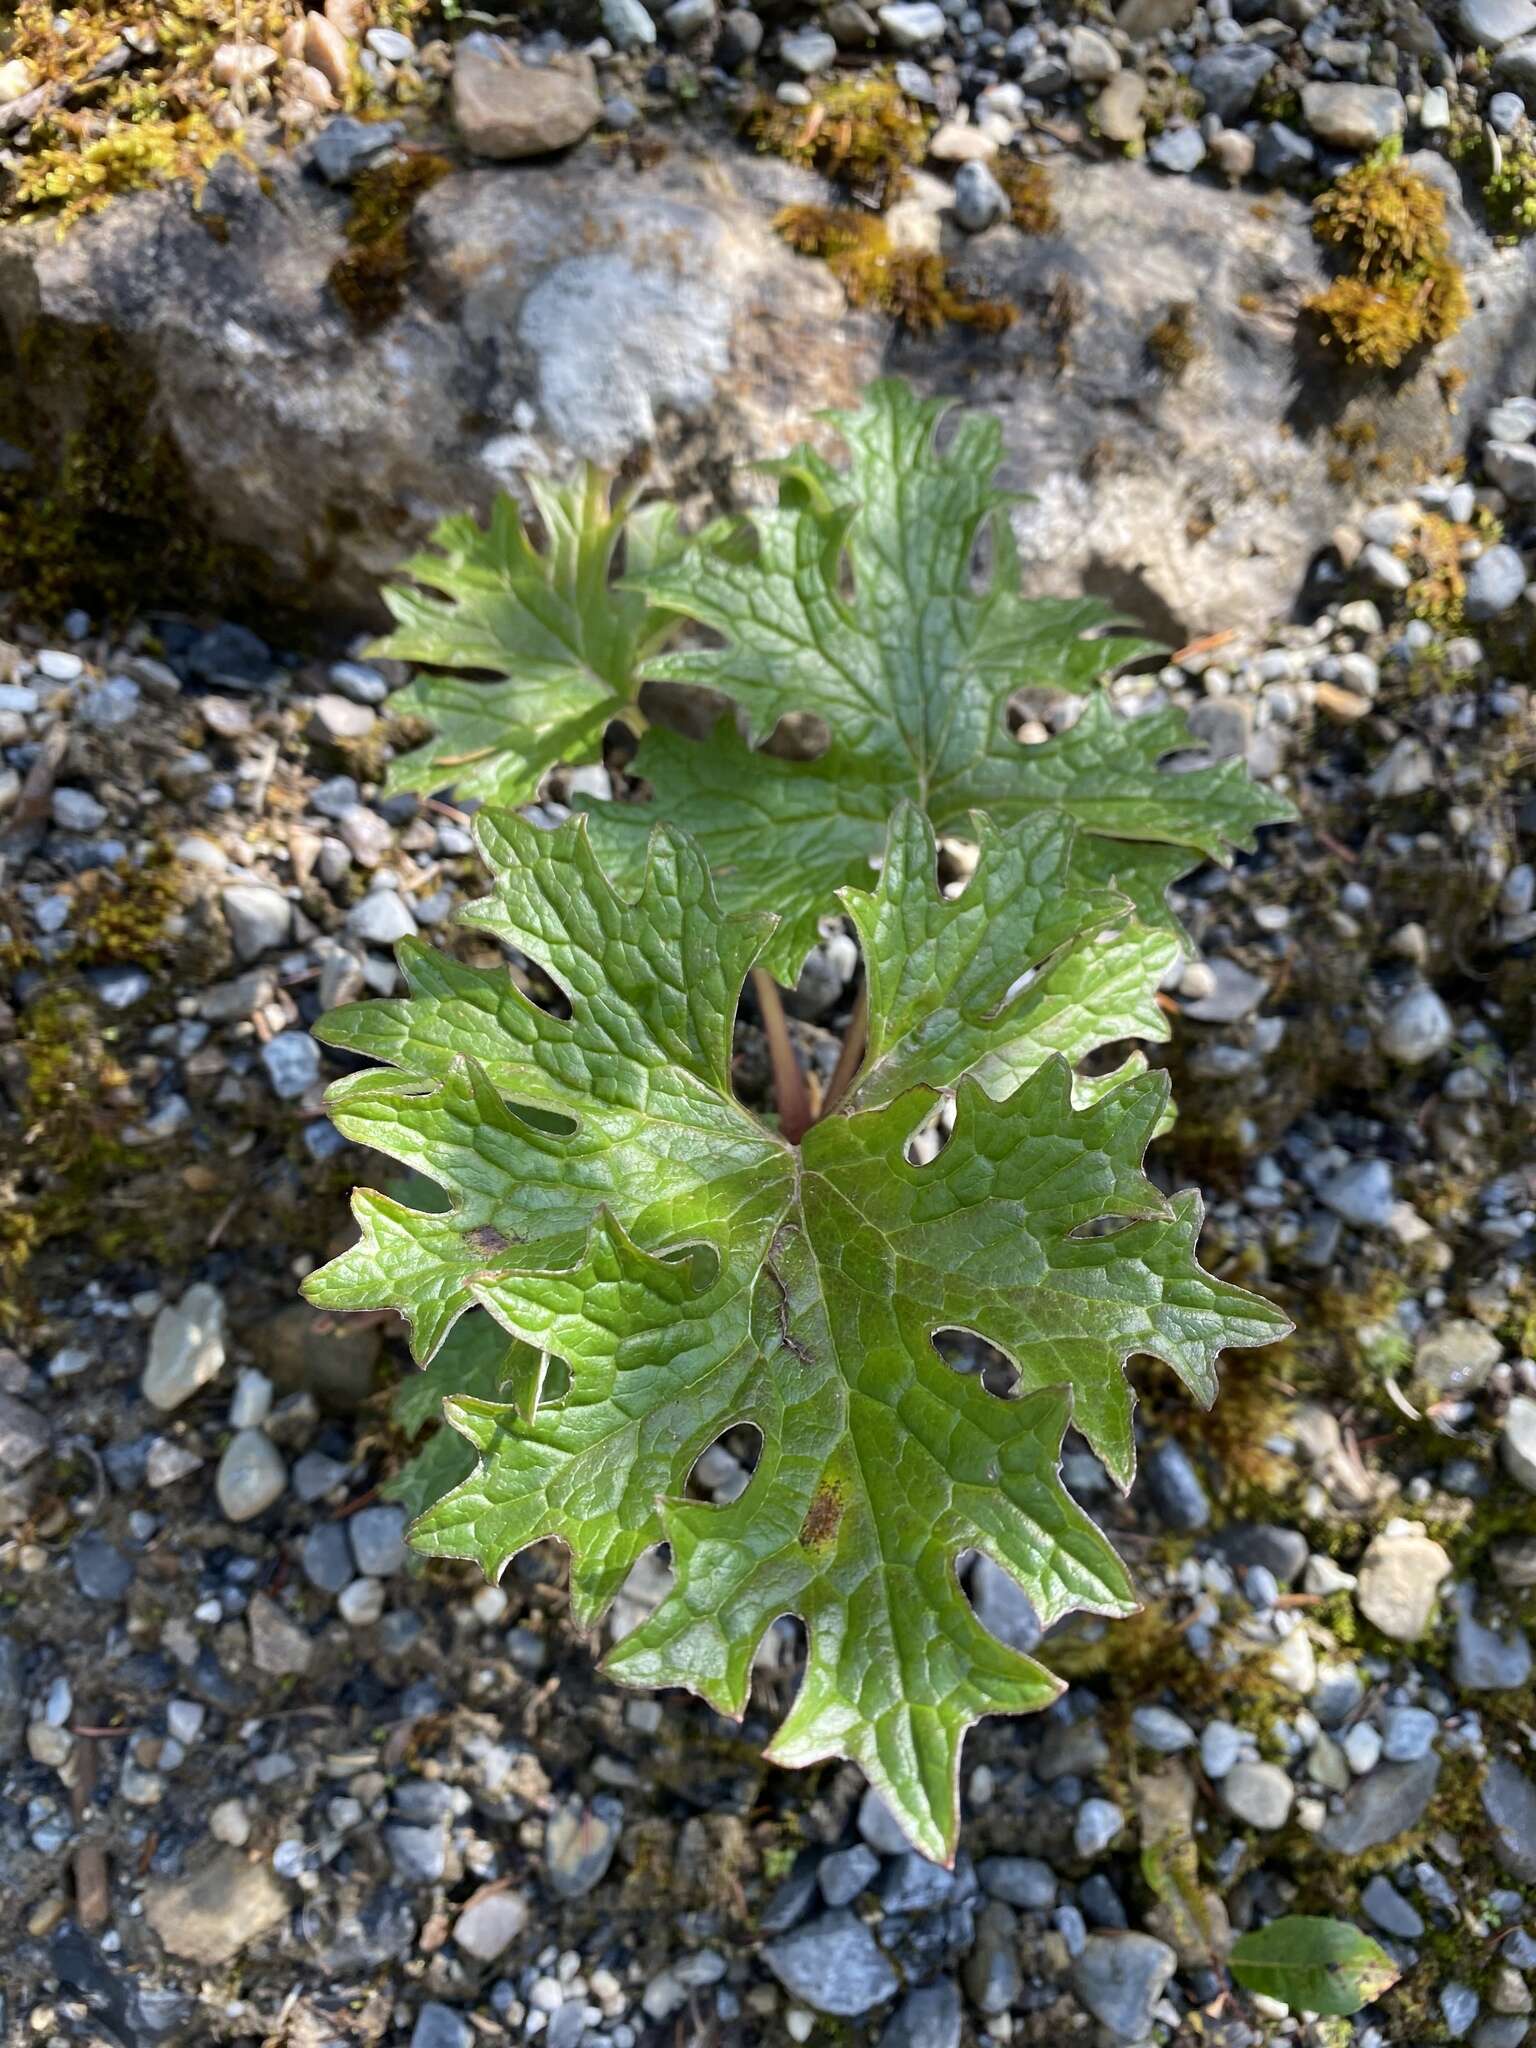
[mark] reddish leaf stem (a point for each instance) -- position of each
(789, 1089)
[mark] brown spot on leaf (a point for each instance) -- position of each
(486, 1239)
(822, 1517)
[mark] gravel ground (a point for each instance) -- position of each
(264, 1780)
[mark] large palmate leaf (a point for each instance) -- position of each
(562, 647)
(612, 1205)
(856, 599)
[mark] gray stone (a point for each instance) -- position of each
(808, 51)
(101, 1570)
(417, 1855)
(741, 37)
(378, 1540)
(1361, 1193)
(1143, 19)
(1514, 1561)
(1177, 1493)
(259, 918)
(1517, 1444)
(1517, 63)
(251, 1475)
(912, 24)
(832, 1964)
(1409, 1733)
(1233, 995)
(1120, 1977)
(1512, 466)
(76, 810)
(1416, 1028)
(687, 18)
(1459, 2005)
(345, 145)
(1454, 1360)
(1268, 1545)
(1484, 1659)
(1177, 151)
(601, 316)
(627, 24)
(1495, 582)
(1514, 420)
(980, 202)
(326, 1557)
(292, 1061)
(1003, 1607)
(914, 1885)
(926, 2018)
(439, 2026)
(993, 1979)
(1019, 1881)
(279, 1645)
(1117, 112)
(490, 1923)
(1091, 58)
(1400, 1578)
(217, 1909)
(1381, 1807)
(579, 1840)
(1282, 155)
(381, 918)
(1352, 116)
(1098, 1823)
(846, 1873)
(1228, 78)
(1260, 1795)
(1158, 1729)
(1490, 24)
(1391, 1912)
(1509, 1800)
(879, 1826)
(24, 1435)
(1221, 1747)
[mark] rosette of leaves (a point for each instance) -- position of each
(545, 650)
(856, 601)
(612, 1209)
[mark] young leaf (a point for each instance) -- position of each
(614, 1206)
(564, 646)
(857, 602)
(478, 1358)
(1321, 1966)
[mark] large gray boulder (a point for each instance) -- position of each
(586, 309)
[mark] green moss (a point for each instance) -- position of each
(105, 511)
(911, 285)
(370, 279)
(1171, 345)
(163, 118)
(1400, 291)
(861, 132)
(1031, 199)
(1510, 195)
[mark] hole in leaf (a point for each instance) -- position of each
(799, 736)
(964, 1352)
(957, 864)
(999, 1602)
(1101, 1226)
(722, 1471)
(649, 1582)
(780, 1657)
(548, 1123)
(932, 1134)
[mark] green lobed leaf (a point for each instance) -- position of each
(613, 1206)
(857, 602)
(478, 1358)
(554, 649)
(1312, 1965)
